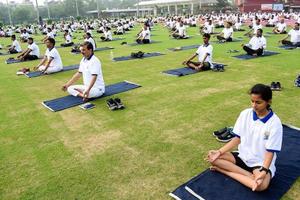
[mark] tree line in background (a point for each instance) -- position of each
(26, 13)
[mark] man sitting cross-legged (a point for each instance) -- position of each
(90, 69)
(52, 61)
(257, 44)
(295, 37)
(204, 54)
(31, 53)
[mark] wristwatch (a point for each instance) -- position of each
(263, 169)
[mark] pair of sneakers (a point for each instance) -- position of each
(115, 104)
(224, 135)
(297, 81)
(218, 68)
(275, 86)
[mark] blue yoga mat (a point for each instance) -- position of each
(71, 101)
(152, 42)
(247, 57)
(146, 55)
(233, 40)
(185, 70)
(38, 73)
(214, 185)
(185, 48)
(12, 61)
(97, 49)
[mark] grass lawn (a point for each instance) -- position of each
(145, 151)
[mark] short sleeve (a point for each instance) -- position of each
(95, 67)
(237, 129)
(274, 141)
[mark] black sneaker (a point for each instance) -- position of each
(220, 132)
(226, 137)
(119, 103)
(273, 86)
(278, 86)
(111, 104)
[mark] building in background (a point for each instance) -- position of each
(267, 5)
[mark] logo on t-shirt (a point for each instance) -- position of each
(266, 135)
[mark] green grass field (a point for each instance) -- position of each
(145, 151)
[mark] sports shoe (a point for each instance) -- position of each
(120, 105)
(278, 86)
(220, 132)
(227, 136)
(273, 86)
(111, 104)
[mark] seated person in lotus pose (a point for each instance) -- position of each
(90, 69)
(52, 62)
(226, 34)
(204, 54)
(258, 134)
(180, 32)
(68, 39)
(120, 30)
(280, 28)
(144, 36)
(107, 36)
(15, 46)
(24, 35)
(257, 44)
(207, 28)
(31, 53)
(257, 25)
(295, 37)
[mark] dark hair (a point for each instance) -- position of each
(264, 91)
(52, 41)
(206, 35)
(88, 45)
(89, 34)
(297, 23)
(260, 30)
(13, 36)
(30, 38)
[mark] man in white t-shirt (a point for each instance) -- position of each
(256, 45)
(207, 28)
(50, 34)
(24, 35)
(90, 69)
(180, 32)
(204, 54)
(226, 34)
(31, 53)
(107, 35)
(15, 47)
(280, 27)
(90, 39)
(144, 36)
(52, 62)
(295, 37)
(257, 25)
(68, 39)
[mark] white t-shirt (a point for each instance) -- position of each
(50, 35)
(281, 27)
(91, 40)
(228, 32)
(208, 28)
(181, 31)
(146, 34)
(257, 137)
(295, 35)
(25, 35)
(68, 39)
(258, 43)
(17, 46)
(34, 50)
(202, 51)
(108, 35)
(56, 62)
(256, 27)
(89, 67)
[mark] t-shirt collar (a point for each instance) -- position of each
(265, 119)
(89, 58)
